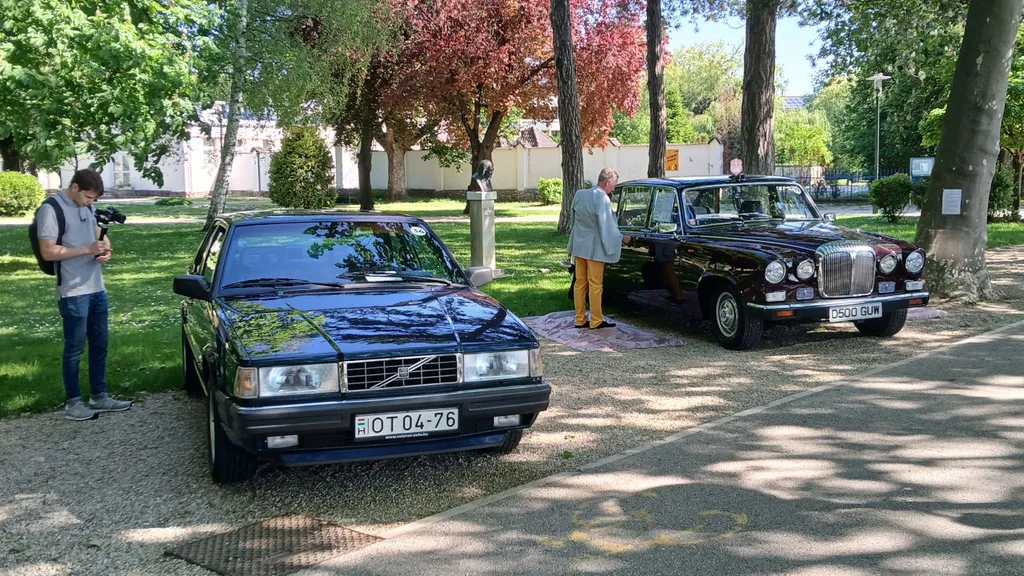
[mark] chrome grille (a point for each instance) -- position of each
(401, 372)
(845, 269)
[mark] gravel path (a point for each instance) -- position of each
(107, 497)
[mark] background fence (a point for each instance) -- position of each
(835, 185)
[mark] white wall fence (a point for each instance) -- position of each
(520, 168)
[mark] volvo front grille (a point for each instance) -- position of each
(360, 375)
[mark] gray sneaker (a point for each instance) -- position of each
(79, 411)
(109, 404)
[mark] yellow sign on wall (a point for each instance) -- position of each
(671, 160)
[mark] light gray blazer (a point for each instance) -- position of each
(595, 233)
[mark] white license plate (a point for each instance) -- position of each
(851, 313)
(413, 424)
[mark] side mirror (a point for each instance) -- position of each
(192, 286)
(480, 275)
(667, 227)
(830, 216)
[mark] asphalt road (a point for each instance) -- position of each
(917, 469)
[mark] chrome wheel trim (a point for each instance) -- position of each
(727, 314)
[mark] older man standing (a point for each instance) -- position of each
(593, 242)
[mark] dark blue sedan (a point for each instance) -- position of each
(333, 337)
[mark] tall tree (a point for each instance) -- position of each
(568, 109)
(239, 51)
(966, 156)
(94, 78)
(656, 90)
(479, 61)
(758, 118)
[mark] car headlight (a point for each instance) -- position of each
(887, 264)
(297, 380)
(496, 365)
(775, 272)
(805, 270)
(915, 262)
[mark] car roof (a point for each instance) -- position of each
(688, 181)
(287, 216)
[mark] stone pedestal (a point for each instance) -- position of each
(481, 228)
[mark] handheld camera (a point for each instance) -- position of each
(107, 215)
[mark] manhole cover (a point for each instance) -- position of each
(272, 547)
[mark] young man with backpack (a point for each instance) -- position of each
(64, 237)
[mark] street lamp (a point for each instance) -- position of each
(878, 78)
(259, 169)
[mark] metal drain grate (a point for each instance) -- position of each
(272, 547)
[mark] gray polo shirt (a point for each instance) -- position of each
(83, 274)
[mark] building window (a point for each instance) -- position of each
(122, 172)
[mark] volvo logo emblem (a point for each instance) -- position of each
(403, 373)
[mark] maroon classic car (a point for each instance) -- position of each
(745, 251)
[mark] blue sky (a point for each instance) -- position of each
(793, 44)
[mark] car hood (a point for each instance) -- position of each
(802, 236)
(334, 326)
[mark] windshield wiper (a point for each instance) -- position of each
(393, 276)
(279, 282)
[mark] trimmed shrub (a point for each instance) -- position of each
(891, 195)
(1000, 196)
(173, 201)
(301, 174)
(550, 190)
(918, 192)
(19, 193)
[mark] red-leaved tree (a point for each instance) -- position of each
(475, 61)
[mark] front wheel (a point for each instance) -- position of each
(734, 328)
(512, 439)
(888, 325)
(228, 463)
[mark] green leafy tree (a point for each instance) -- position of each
(831, 101)
(680, 125)
(92, 78)
(302, 174)
(801, 138)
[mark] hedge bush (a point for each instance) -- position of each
(301, 174)
(173, 201)
(550, 190)
(19, 193)
(891, 195)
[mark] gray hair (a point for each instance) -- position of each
(607, 174)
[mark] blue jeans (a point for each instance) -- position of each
(85, 318)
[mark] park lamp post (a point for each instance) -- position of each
(259, 169)
(878, 78)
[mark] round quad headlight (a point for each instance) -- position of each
(887, 264)
(775, 272)
(915, 262)
(805, 270)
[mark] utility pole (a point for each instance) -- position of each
(878, 78)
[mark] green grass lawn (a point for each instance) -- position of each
(421, 207)
(144, 316)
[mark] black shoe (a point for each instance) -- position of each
(603, 324)
(580, 326)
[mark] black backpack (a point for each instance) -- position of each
(47, 266)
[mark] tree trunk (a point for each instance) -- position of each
(219, 197)
(482, 149)
(757, 122)
(396, 166)
(363, 164)
(966, 156)
(12, 159)
(568, 110)
(656, 90)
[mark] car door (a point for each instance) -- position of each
(633, 217)
(200, 319)
(664, 241)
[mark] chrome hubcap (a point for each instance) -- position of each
(728, 314)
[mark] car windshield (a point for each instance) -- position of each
(332, 253)
(753, 201)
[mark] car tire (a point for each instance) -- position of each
(190, 376)
(228, 463)
(888, 325)
(734, 328)
(511, 442)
